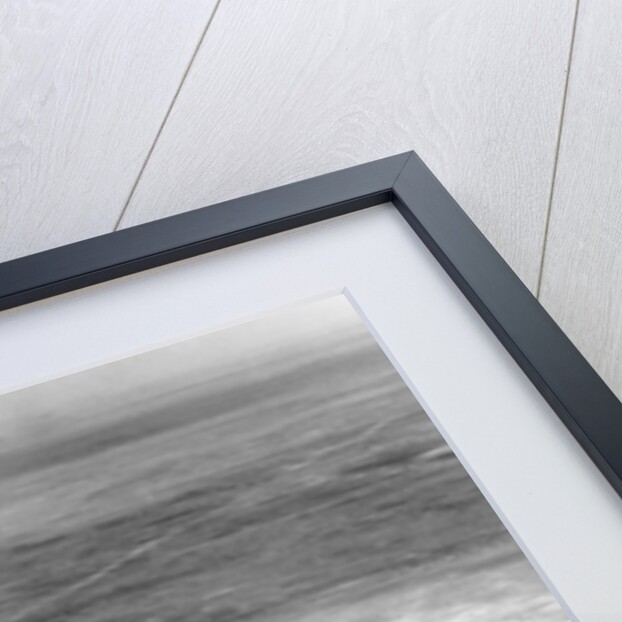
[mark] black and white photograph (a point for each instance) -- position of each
(277, 470)
(310, 311)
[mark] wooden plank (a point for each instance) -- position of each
(582, 276)
(84, 87)
(280, 92)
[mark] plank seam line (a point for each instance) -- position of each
(166, 116)
(547, 217)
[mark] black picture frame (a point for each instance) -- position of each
(572, 388)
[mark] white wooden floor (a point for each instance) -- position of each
(112, 114)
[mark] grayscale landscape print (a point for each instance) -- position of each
(279, 470)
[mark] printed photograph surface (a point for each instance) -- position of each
(279, 470)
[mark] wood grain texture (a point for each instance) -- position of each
(282, 92)
(582, 275)
(84, 87)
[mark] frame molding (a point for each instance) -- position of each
(572, 388)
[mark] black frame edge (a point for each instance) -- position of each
(569, 384)
(113, 255)
(572, 388)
